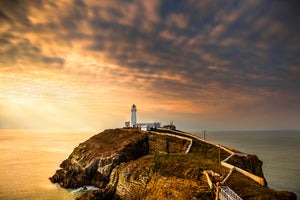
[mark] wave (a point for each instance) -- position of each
(85, 189)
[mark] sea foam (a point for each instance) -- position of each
(85, 188)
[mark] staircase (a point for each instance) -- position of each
(225, 193)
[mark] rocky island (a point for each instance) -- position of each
(162, 164)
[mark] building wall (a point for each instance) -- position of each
(145, 128)
(149, 125)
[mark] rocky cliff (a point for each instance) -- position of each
(91, 162)
(134, 164)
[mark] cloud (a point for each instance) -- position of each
(177, 20)
(216, 68)
(23, 53)
(216, 31)
(201, 56)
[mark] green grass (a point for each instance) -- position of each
(201, 147)
(186, 165)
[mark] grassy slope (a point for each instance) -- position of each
(205, 156)
(246, 188)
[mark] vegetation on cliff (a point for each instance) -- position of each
(134, 164)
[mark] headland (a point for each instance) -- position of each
(130, 163)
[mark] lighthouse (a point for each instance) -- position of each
(133, 115)
(141, 126)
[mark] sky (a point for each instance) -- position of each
(214, 65)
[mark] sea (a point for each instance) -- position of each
(29, 157)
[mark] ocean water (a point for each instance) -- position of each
(29, 158)
(279, 151)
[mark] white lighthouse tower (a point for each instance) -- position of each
(133, 115)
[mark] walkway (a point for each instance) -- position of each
(225, 193)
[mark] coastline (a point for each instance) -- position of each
(46, 153)
(245, 164)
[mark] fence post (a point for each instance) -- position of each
(217, 191)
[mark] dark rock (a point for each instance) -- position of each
(89, 164)
(250, 163)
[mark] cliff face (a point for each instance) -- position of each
(146, 178)
(91, 162)
(250, 163)
(133, 164)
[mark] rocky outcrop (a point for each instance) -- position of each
(134, 164)
(250, 163)
(91, 162)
